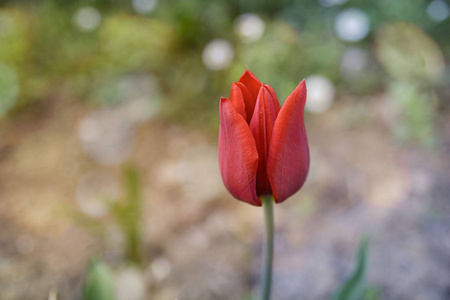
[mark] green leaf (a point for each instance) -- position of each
(372, 293)
(99, 282)
(9, 88)
(354, 287)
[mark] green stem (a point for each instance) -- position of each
(268, 248)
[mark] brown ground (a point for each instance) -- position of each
(202, 244)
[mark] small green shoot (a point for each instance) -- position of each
(354, 288)
(99, 282)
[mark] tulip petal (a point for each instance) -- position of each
(237, 98)
(248, 102)
(238, 157)
(288, 160)
(249, 80)
(261, 127)
(276, 103)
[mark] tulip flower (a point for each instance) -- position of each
(263, 149)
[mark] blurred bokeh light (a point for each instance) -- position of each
(87, 18)
(144, 6)
(352, 25)
(106, 137)
(96, 191)
(249, 27)
(438, 10)
(328, 3)
(218, 55)
(320, 94)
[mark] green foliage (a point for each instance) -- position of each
(9, 88)
(417, 112)
(99, 283)
(354, 288)
(14, 36)
(406, 52)
(129, 42)
(372, 293)
(51, 56)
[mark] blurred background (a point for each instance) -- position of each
(108, 147)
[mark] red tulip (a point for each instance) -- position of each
(263, 149)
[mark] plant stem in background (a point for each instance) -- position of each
(128, 214)
(266, 281)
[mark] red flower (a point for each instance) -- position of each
(263, 149)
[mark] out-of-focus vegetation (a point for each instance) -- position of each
(128, 215)
(125, 214)
(99, 283)
(123, 63)
(84, 50)
(355, 287)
